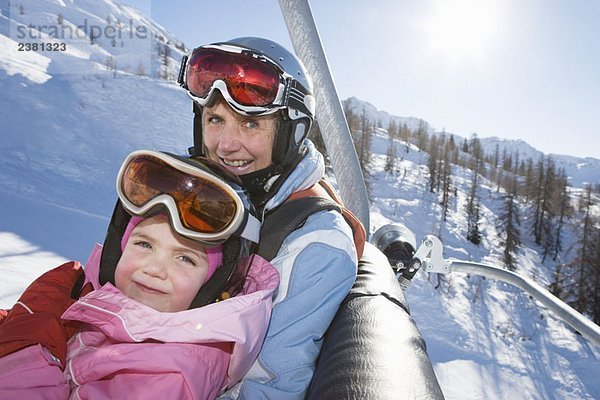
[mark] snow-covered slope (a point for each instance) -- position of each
(68, 121)
(487, 339)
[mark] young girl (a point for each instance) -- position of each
(174, 305)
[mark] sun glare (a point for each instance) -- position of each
(461, 28)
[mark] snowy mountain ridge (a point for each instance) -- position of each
(71, 120)
(581, 171)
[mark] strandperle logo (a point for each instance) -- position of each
(84, 31)
(114, 40)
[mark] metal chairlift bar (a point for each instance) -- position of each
(569, 315)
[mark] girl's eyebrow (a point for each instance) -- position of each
(140, 235)
(200, 255)
(201, 252)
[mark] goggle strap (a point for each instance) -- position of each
(251, 230)
(181, 76)
(197, 149)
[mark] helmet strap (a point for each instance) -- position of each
(288, 140)
(198, 148)
(265, 183)
(214, 288)
(257, 183)
(111, 251)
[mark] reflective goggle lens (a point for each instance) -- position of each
(249, 81)
(203, 206)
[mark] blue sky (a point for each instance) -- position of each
(516, 69)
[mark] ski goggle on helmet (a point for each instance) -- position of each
(252, 81)
(204, 203)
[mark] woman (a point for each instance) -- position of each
(254, 107)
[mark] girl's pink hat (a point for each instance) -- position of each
(214, 254)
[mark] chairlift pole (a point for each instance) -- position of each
(330, 115)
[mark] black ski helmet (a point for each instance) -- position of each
(298, 112)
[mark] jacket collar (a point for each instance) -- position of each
(308, 172)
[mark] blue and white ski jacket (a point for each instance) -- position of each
(317, 265)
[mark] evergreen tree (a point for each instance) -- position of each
(528, 174)
(515, 168)
(421, 135)
(509, 221)
(473, 216)
(451, 144)
(477, 156)
(364, 153)
(556, 287)
(564, 211)
(405, 135)
(472, 206)
(584, 284)
(446, 177)
(496, 157)
(390, 159)
(465, 146)
(432, 164)
(535, 195)
(442, 149)
(496, 174)
(594, 284)
(550, 192)
(522, 168)
(454, 152)
(507, 161)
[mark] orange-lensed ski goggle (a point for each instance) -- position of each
(202, 205)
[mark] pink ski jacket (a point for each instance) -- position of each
(125, 349)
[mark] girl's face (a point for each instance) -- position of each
(159, 268)
(240, 143)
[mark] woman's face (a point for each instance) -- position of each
(159, 268)
(240, 143)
